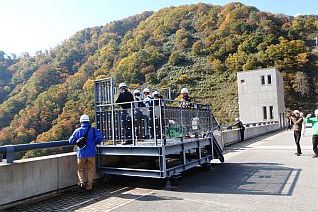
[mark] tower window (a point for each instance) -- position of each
(264, 113)
(269, 79)
(271, 114)
(263, 80)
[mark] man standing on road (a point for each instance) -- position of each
(87, 154)
(314, 122)
(297, 121)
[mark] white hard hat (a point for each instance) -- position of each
(184, 90)
(237, 119)
(155, 93)
(136, 91)
(146, 90)
(316, 112)
(84, 118)
(296, 112)
(121, 85)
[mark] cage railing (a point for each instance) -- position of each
(161, 122)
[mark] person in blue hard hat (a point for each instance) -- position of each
(86, 154)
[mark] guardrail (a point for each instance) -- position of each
(9, 150)
(254, 124)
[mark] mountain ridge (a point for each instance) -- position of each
(200, 46)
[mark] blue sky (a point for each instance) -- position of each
(31, 25)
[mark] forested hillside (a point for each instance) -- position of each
(199, 46)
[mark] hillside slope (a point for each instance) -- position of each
(200, 46)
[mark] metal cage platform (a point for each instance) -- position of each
(158, 141)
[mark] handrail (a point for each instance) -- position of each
(8, 150)
(152, 100)
(253, 124)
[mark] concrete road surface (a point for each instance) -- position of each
(257, 176)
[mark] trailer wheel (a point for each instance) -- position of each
(221, 158)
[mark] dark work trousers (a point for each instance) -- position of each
(315, 144)
(297, 135)
(242, 134)
(126, 125)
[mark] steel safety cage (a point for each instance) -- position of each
(164, 121)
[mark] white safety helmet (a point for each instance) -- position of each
(84, 118)
(316, 112)
(136, 91)
(146, 90)
(155, 93)
(122, 85)
(237, 119)
(184, 90)
(296, 112)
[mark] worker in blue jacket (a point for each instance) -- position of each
(87, 154)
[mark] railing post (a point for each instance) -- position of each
(132, 124)
(181, 121)
(154, 122)
(160, 121)
(10, 154)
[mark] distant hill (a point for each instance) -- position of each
(200, 46)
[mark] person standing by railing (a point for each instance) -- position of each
(87, 154)
(314, 122)
(148, 101)
(185, 99)
(297, 121)
(125, 96)
(141, 121)
(238, 123)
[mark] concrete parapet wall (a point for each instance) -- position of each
(233, 136)
(36, 176)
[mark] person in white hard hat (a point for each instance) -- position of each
(147, 97)
(297, 126)
(148, 101)
(125, 96)
(157, 98)
(141, 120)
(185, 98)
(86, 152)
(137, 98)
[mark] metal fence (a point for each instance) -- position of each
(161, 122)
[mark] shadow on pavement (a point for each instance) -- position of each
(244, 178)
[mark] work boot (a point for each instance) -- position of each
(315, 156)
(81, 187)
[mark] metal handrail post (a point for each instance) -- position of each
(154, 122)
(160, 120)
(9, 154)
(165, 130)
(113, 112)
(132, 123)
(181, 121)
